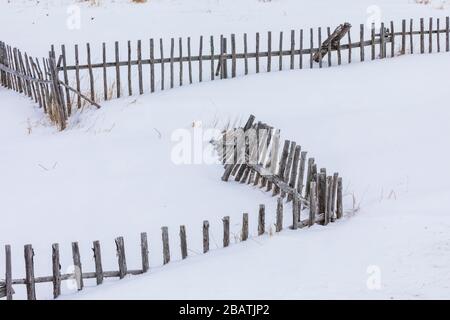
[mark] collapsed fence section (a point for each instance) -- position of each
(252, 155)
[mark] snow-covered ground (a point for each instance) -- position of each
(382, 125)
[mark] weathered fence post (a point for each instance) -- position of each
(279, 223)
(296, 203)
(144, 252)
(245, 227)
(56, 271)
(78, 272)
(183, 242)
(340, 208)
(166, 248)
(98, 262)
(261, 219)
(226, 231)
(57, 92)
(8, 273)
(205, 236)
(312, 204)
(29, 272)
(120, 247)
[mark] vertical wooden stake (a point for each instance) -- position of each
(98, 262)
(139, 62)
(392, 40)
(403, 36)
(279, 223)
(56, 267)
(269, 51)
(411, 36)
(190, 60)
(312, 204)
(301, 49)
(117, 70)
(105, 73)
(183, 242)
(180, 49)
(339, 204)
(172, 57)
(319, 35)
(430, 36)
(200, 61)
(166, 249)
(245, 55)
(144, 252)
(422, 36)
(245, 227)
(29, 272)
(280, 61)
(161, 52)
(361, 42)
(257, 52)
(8, 273)
(261, 220)
(292, 48)
(372, 33)
(205, 236)
(226, 231)
(447, 34)
(212, 56)
(311, 47)
(296, 203)
(152, 65)
(78, 272)
(233, 56)
(120, 247)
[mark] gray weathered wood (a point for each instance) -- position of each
(430, 36)
(91, 74)
(422, 37)
(339, 200)
(200, 60)
(296, 203)
(120, 247)
(144, 252)
(319, 51)
(257, 52)
(261, 219)
(8, 273)
(183, 242)
(403, 51)
(245, 54)
(382, 41)
(311, 48)
(447, 34)
(372, 34)
(438, 35)
(301, 172)
(78, 270)
(309, 175)
(329, 187)
(161, 52)
(139, 59)
(29, 272)
(226, 231)
(392, 39)
(56, 267)
(152, 65)
(244, 235)
(166, 249)
(312, 203)
(205, 236)
(180, 50)
(233, 56)
(130, 85)
(280, 55)
(212, 56)
(411, 36)
(105, 73)
(189, 60)
(98, 262)
(361, 42)
(282, 165)
(301, 50)
(334, 191)
(294, 171)
(172, 56)
(322, 191)
(279, 221)
(292, 48)
(269, 51)
(117, 55)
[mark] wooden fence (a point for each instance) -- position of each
(30, 280)
(145, 66)
(296, 178)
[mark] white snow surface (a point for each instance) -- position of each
(382, 125)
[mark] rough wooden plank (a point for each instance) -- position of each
(295, 212)
(8, 274)
(322, 191)
(447, 34)
(205, 236)
(245, 54)
(212, 56)
(29, 272)
(166, 249)
(200, 60)
(183, 242)
(294, 171)
(334, 192)
(78, 270)
(152, 65)
(91, 74)
(279, 218)
(309, 175)
(329, 47)
(422, 37)
(56, 268)
(105, 73)
(161, 52)
(403, 37)
(319, 51)
(226, 231)
(312, 203)
(301, 50)
(269, 51)
(382, 41)
(392, 38)
(329, 186)
(361, 42)
(244, 235)
(233, 56)
(116, 48)
(287, 171)
(339, 200)
(261, 219)
(144, 252)
(430, 36)
(292, 48)
(438, 35)
(301, 172)
(257, 52)
(180, 49)
(172, 56)
(349, 37)
(372, 33)
(130, 84)
(189, 60)
(98, 262)
(280, 55)
(282, 164)
(120, 248)
(139, 59)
